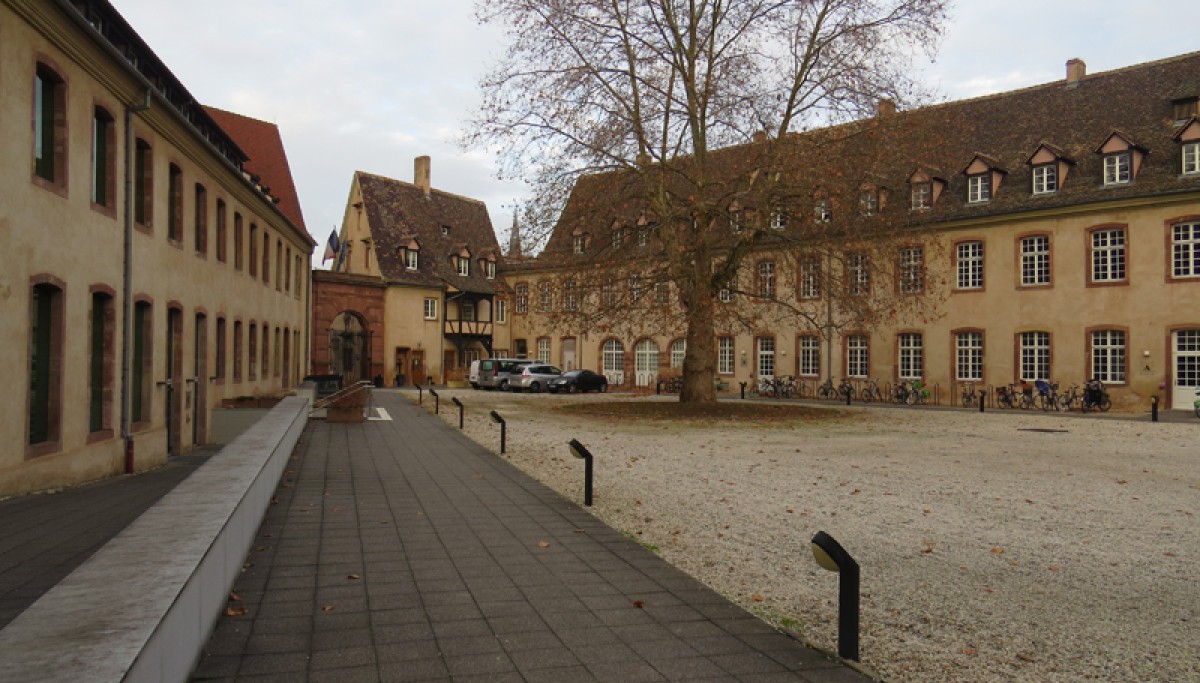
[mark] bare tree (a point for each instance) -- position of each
(681, 119)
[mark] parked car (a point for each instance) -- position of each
(473, 374)
(572, 381)
(534, 377)
(496, 373)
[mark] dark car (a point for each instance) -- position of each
(573, 381)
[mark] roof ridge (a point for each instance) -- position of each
(432, 190)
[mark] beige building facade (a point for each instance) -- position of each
(149, 274)
(1055, 236)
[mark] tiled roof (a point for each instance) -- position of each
(268, 160)
(399, 212)
(1071, 118)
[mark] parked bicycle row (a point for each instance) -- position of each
(908, 392)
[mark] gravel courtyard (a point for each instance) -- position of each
(1007, 546)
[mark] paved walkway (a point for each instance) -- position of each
(402, 551)
(44, 537)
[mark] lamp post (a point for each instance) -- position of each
(832, 556)
(578, 450)
(503, 429)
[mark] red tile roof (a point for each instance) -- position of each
(268, 160)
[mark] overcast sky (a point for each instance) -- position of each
(371, 84)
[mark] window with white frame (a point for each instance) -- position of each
(1035, 356)
(1108, 255)
(1117, 169)
(868, 202)
(912, 359)
(613, 361)
(543, 350)
(779, 219)
(726, 295)
(766, 279)
(735, 221)
(522, 295)
(1035, 260)
(464, 266)
(489, 269)
(857, 355)
(823, 211)
(618, 236)
(810, 356)
(858, 265)
(1045, 178)
(968, 356)
(979, 188)
(431, 306)
(912, 270)
(635, 289)
(922, 196)
(810, 277)
(608, 293)
(578, 245)
(970, 265)
(1185, 250)
(1108, 356)
(411, 259)
(570, 296)
(678, 351)
(766, 356)
(643, 236)
(1191, 158)
(545, 297)
(501, 310)
(725, 355)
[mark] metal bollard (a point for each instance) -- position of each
(743, 390)
(1154, 409)
(503, 429)
(578, 450)
(460, 410)
(437, 401)
(420, 395)
(982, 395)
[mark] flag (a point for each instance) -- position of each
(332, 247)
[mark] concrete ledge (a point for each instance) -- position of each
(142, 607)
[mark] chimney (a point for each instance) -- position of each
(886, 107)
(421, 174)
(1076, 70)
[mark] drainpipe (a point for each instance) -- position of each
(127, 294)
(829, 314)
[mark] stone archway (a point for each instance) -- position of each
(349, 350)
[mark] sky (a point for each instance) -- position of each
(372, 84)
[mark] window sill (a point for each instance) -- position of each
(37, 450)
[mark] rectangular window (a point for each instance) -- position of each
(238, 351)
(662, 293)
(823, 211)
(174, 203)
(859, 271)
(104, 159)
(501, 310)
(766, 279)
(1108, 255)
(810, 356)
(253, 250)
(726, 295)
(466, 310)
(968, 364)
(464, 266)
(222, 232)
(49, 126)
(617, 237)
(779, 219)
(543, 350)
(1108, 356)
(287, 278)
(266, 351)
(522, 295)
(810, 277)
(489, 269)
(766, 356)
(143, 184)
(221, 346)
(970, 265)
(100, 367)
(857, 356)
(1117, 169)
(912, 270)
(1045, 179)
(979, 188)
(431, 308)
(411, 257)
(1191, 158)
(579, 244)
(725, 355)
(571, 297)
(201, 220)
(1035, 260)
(278, 265)
(1185, 250)
(252, 356)
(266, 257)
(635, 289)
(1035, 356)
(45, 363)
(545, 297)
(735, 222)
(912, 359)
(238, 241)
(922, 196)
(142, 384)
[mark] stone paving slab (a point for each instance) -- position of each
(402, 551)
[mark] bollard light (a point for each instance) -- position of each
(832, 556)
(982, 396)
(503, 428)
(460, 410)
(578, 450)
(437, 401)
(1154, 409)
(743, 390)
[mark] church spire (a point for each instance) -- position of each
(514, 239)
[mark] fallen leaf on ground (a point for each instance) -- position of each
(352, 576)
(1025, 658)
(235, 611)
(543, 544)
(969, 651)
(998, 550)
(756, 597)
(235, 597)
(639, 604)
(327, 608)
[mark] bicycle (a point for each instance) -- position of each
(919, 394)
(765, 387)
(785, 387)
(1047, 395)
(969, 397)
(1095, 397)
(846, 389)
(1068, 399)
(1196, 404)
(870, 392)
(902, 393)
(826, 390)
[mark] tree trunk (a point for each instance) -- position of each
(699, 361)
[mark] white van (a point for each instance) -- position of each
(473, 374)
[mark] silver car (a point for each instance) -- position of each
(533, 377)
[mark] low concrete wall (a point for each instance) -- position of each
(143, 606)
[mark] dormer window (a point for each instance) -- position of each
(779, 219)
(1117, 169)
(922, 196)
(1191, 158)
(735, 221)
(618, 236)
(445, 229)
(489, 269)
(464, 266)
(823, 211)
(1045, 179)
(578, 246)
(984, 176)
(1188, 138)
(1185, 108)
(643, 236)
(979, 188)
(868, 202)
(411, 259)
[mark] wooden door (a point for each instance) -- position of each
(418, 367)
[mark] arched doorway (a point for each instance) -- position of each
(349, 348)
